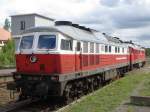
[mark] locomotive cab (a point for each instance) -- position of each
(39, 59)
(38, 53)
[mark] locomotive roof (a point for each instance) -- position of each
(75, 33)
(72, 32)
(135, 46)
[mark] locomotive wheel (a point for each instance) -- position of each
(90, 86)
(96, 83)
(68, 94)
(22, 97)
(85, 87)
(99, 81)
(80, 90)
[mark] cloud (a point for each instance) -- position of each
(127, 19)
(110, 3)
(144, 37)
(131, 16)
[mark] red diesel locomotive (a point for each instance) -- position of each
(68, 60)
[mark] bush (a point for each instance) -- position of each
(148, 52)
(7, 54)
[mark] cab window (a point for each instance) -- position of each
(47, 42)
(26, 42)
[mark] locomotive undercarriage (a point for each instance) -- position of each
(46, 86)
(76, 88)
(34, 86)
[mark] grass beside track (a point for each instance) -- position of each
(145, 91)
(109, 97)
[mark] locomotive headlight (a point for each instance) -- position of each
(17, 76)
(33, 59)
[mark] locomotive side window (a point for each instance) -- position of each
(66, 44)
(78, 46)
(85, 47)
(115, 49)
(91, 47)
(122, 50)
(118, 49)
(26, 42)
(109, 48)
(106, 48)
(102, 48)
(92, 51)
(47, 42)
(85, 57)
(97, 48)
(97, 56)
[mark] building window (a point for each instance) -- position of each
(85, 47)
(91, 47)
(66, 44)
(22, 25)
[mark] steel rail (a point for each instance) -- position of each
(17, 105)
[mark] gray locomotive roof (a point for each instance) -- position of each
(72, 32)
(79, 34)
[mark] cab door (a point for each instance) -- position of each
(78, 57)
(131, 57)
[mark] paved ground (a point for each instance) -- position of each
(132, 108)
(4, 93)
(126, 106)
(6, 71)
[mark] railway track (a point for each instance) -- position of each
(5, 78)
(3, 84)
(31, 105)
(13, 107)
(49, 105)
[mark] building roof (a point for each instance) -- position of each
(4, 34)
(33, 14)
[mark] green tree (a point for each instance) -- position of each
(148, 52)
(7, 24)
(7, 54)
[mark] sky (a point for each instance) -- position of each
(126, 19)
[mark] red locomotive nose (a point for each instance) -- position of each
(37, 63)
